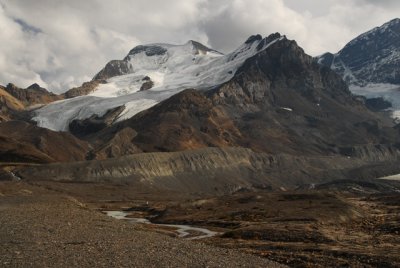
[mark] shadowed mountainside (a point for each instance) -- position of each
(24, 142)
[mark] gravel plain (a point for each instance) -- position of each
(41, 228)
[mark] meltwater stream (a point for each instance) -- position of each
(183, 230)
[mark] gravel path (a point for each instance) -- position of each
(40, 229)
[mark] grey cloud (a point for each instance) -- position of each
(27, 27)
(384, 3)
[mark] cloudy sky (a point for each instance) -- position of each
(60, 44)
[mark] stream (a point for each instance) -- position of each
(392, 178)
(183, 230)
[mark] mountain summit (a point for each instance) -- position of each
(144, 55)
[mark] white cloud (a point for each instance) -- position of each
(60, 44)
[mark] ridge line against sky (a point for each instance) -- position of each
(61, 44)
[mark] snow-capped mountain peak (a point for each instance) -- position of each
(152, 73)
(372, 57)
(370, 63)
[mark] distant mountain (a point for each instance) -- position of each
(370, 63)
(14, 101)
(32, 95)
(373, 57)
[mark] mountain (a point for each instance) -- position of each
(370, 63)
(15, 102)
(162, 69)
(267, 95)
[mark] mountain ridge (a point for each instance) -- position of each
(376, 50)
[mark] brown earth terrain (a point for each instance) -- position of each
(24, 142)
(44, 228)
(311, 229)
(300, 229)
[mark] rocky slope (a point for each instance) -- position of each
(24, 142)
(10, 106)
(85, 89)
(21, 141)
(15, 102)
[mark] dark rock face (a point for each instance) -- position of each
(113, 68)
(253, 38)
(147, 85)
(200, 48)
(373, 57)
(149, 50)
(36, 87)
(326, 59)
(377, 104)
(121, 67)
(94, 123)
